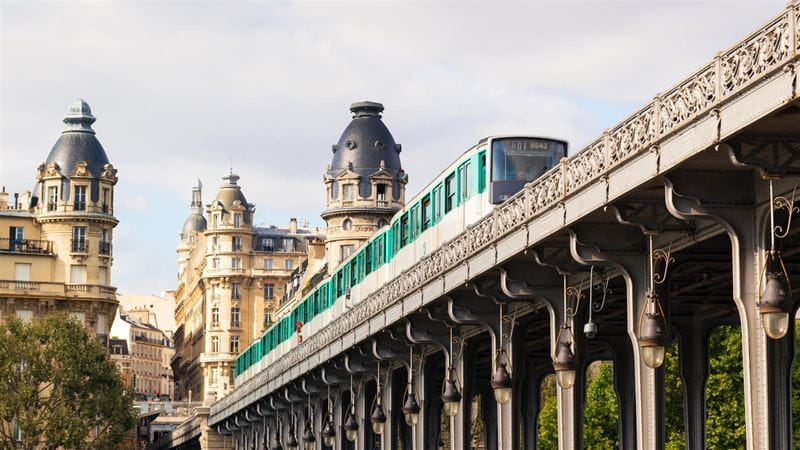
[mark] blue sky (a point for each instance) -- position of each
(182, 89)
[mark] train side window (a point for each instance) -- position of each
(449, 192)
(368, 259)
(403, 230)
(438, 202)
(426, 212)
(482, 172)
(464, 181)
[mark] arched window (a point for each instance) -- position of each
(347, 225)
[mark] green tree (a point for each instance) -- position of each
(601, 411)
(547, 436)
(673, 400)
(58, 388)
(725, 427)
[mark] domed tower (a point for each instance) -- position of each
(193, 227)
(365, 182)
(74, 203)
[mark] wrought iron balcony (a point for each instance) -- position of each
(26, 246)
(105, 248)
(80, 246)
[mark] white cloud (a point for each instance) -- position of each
(179, 89)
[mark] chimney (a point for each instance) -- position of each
(3, 199)
(293, 225)
(16, 200)
(316, 249)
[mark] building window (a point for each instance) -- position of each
(25, 315)
(267, 245)
(80, 198)
(236, 245)
(101, 325)
(105, 201)
(288, 245)
(79, 239)
(214, 375)
(234, 344)
(237, 220)
(105, 242)
(236, 291)
(269, 291)
(267, 318)
(215, 263)
(288, 264)
(381, 192)
(345, 251)
(214, 220)
(215, 243)
(236, 263)
(215, 344)
(235, 322)
(22, 271)
(347, 225)
(215, 316)
(52, 198)
(347, 192)
(77, 274)
(102, 276)
(268, 264)
(382, 223)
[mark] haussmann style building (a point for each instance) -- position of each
(231, 276)
(56, 241)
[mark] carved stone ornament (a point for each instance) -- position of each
(109, 173)
(51, 170)
(81, 170)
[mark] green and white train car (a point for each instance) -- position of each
(466, 191)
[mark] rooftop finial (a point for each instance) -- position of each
(79, 117)
(366, 109)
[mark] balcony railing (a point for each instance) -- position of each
(26, 246)
(105, 248)
(80, 246)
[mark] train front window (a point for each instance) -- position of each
(524, 159)
(516, 161)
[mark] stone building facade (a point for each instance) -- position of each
(56, 242)
(231, 277)
(149, 354)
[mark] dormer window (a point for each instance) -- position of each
(80, 198)
(381, 192)
(267, 245)
(347, 192)
(52, 198)
(237, 220)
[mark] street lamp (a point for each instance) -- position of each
(652, 323)
(450, 394)
(564, 362)
(292, 443)
(329, 432)
(350, 425)
(308, 436)
(411, 408)
(501, 379)
(774, 302)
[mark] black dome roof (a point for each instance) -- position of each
(78, 143)
(366, 142)
(196, 223)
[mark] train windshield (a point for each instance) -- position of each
(516, 161)
(524, 159)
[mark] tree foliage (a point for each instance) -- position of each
(59, 388)
(725, 418)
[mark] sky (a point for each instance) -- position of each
(185, 90)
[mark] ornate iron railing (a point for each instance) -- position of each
(26, 246)
(758, 56)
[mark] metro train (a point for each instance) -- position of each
(467, 190)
